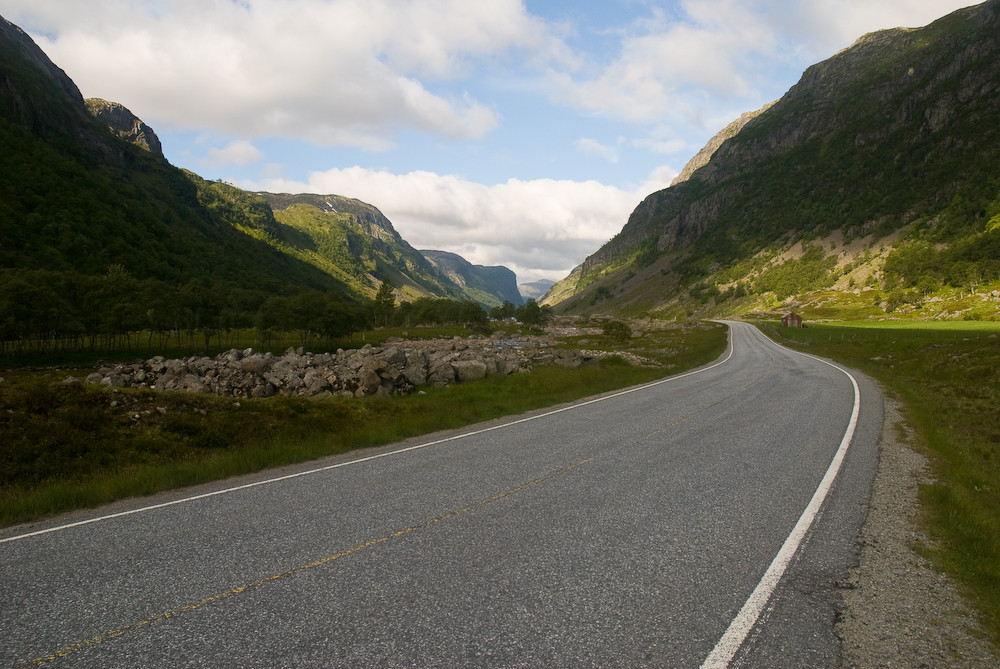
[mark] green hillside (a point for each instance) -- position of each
(100, 236)
(870, 188)
(489, 286)
(354, 241)
(74, 198)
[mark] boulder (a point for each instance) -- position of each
(395, 369)
(469, 370)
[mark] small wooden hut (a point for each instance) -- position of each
(791, 320)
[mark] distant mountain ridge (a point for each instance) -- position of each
(353, 239)
(884, 156)
(488, 285)
(535, 289)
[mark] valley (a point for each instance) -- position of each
(866, 200)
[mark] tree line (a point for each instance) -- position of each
(42, 310)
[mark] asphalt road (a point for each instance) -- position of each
(630, 530)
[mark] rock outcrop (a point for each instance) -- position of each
(396, 368)
(125, 124)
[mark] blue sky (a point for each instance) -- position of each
(513, 133)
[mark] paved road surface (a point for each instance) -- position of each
(629, 531)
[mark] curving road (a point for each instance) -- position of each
(677, 524)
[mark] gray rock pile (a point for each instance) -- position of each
(396, 368)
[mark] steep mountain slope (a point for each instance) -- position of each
(879, 169)
(125, 124)
(76, 198)
(489, 286)
(85, 191)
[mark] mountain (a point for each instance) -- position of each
(87, 198)
(125, 124)
(489, 286)
(354, 241)
(535, 289)
(77, 198)
(876, 173)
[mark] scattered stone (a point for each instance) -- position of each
(397, 368)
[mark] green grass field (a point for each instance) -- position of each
(947, 375)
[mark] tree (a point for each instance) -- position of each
(532, 314)
(385, 303)
(502, 312)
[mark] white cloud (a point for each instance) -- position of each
(593, 148)
(352, 72)
(540, 228)
(659, 179)
(239, 152)
(665, 67)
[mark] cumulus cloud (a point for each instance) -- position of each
(240, 152)
(822, 27)
(539, 228)
(665, 65)
(353, 72)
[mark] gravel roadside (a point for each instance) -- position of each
(898, 610)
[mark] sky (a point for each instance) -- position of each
(515, 133)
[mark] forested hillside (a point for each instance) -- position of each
(872, 186)
(100, 236)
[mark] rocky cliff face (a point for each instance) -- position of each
(125, 124)
(39, 97)
(702, 157)
(887, 131)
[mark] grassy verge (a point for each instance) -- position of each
(946, 374)
(66, 446)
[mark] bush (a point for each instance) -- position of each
(617, 331)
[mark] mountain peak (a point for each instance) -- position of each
(125, 124)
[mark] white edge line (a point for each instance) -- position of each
(740, 627)
(318, 470)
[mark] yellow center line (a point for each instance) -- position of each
(101, 638)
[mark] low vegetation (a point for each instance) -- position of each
(946, 376)
(66, 445)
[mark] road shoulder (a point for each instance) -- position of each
(897, 609)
